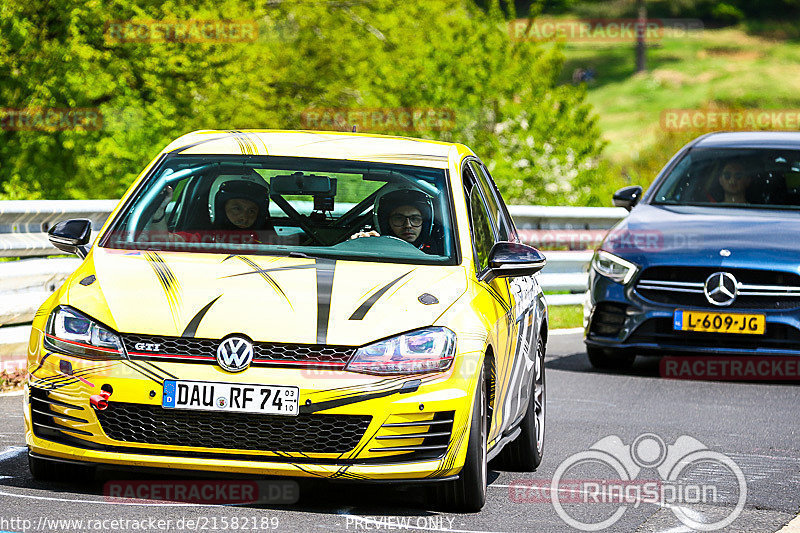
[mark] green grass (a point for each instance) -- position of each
(721, 68)
(565, 316)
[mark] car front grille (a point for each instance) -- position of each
(683, 286)
(660, 331)
(308, 433)
(416, 438)
(264, 353)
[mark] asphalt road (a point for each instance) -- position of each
(753, 425)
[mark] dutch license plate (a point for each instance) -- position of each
(232, 397)
(719, 322)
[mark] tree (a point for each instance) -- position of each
(343, 54)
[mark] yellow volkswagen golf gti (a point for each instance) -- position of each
(315, 304)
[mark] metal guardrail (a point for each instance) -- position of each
(26, 283)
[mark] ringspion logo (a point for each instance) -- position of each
(593, 489)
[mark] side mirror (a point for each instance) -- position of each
(512, 259)
(628, 197)
(71, 236)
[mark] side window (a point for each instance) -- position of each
(499, 213)
(482, 232)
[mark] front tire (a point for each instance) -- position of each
(524, 454)
(468, 492)
(610, 359)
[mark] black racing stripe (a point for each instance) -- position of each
(51, 386)
(378, 385)
(276, 269)
(496, 295)
(359, 313)
(157, 369)
(198, 143)
(330, 404)
(247, 139)
(325, 268)
(168, 282)
(149, 374)
(194, 323)
(56, 378)
(48, 354)
(239, 142)
(269, 279)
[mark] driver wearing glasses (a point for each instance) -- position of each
(405, 214)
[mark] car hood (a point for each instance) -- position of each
(270, 299)
(708, 236)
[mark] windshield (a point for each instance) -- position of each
(290, 206)
(752, 177)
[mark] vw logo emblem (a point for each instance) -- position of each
(721, 288)
(235, 354)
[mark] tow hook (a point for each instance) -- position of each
(100, 401)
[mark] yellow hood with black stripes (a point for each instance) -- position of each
(270, 299)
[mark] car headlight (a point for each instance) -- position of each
(423, 350)
(72, 332)
(611, 266)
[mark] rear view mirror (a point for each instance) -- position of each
(513, 259)
(71, 236)
(303, 184)
(628, 197)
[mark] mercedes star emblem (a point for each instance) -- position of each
(721, 288)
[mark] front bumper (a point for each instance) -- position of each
(644, 327)
(351, 426)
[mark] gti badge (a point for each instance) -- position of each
(147, 347)
(721, 288)
(234, 354)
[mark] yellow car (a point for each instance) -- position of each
(292, 303)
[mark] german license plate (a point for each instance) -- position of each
(233, 397)
(719, 322)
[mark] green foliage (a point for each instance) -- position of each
(711, 12)
(565, 316)
(439, 54)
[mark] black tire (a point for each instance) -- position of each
(524, 454)
(48, 470)
(609, 359)
(467, 494)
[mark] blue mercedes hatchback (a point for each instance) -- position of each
(708, 261)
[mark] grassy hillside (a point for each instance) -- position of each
(720, 68)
